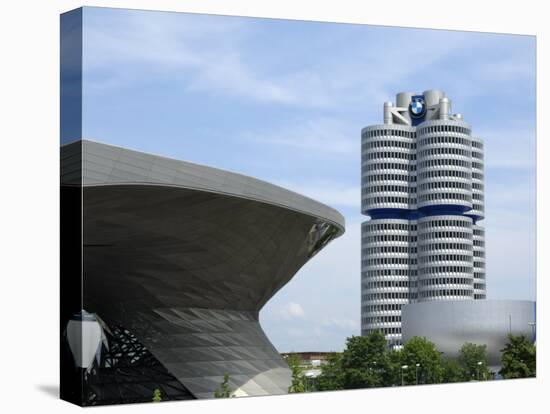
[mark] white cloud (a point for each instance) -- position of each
(287, 311)
(328, 135)
(208, 53)
(332, 193)
(347, 324)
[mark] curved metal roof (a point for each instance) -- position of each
(103, 164)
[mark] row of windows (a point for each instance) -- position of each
(479, 296)
(446, 269)
(477, 144)
(422, 175)
(389, 238)
(445, 292)
(385, 295)
(479, 232)
(387, 331)
(445, 235)
(445, 258)
(387, 249)
(477, 176)
(385, 188)
(384, 166)
(445, 281)
(444, 196)
(388, 154)
(383, 307)
(477, 165)
(477, 207)
(389, 143)
(389, 177)
(477, 155)
(443, 223)
(445, 162)
(444, 246)
(479, 243)
(387, 284)
(388, 260)
(445, 184)
(382, 319)
(477, 186)
(479, 253)
(444, 140)
(412, 273)
(477, 196)
(444, 151)
(444, 128)
(389, 272)
(388, 199)
(388, 226)
(386, 132)
(444, 173)
(480, 265)
(479, 286)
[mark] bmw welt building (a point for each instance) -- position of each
(171, 262)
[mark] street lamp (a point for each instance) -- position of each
(403, 368)
(478, 365)
(416, 369)
(85, 336)
(532, 325)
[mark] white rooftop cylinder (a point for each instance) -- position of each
(432, 96)
(444, 108)
(388, 118)
(402, 99)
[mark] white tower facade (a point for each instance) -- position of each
(422, 187)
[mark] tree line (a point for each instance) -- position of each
(367, 362)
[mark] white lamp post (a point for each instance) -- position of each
(403, 368)
(84, 335)
(416, 368)
(478, 365)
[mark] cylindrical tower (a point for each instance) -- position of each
(478, 200)
(444, 167)
(480, 288)
(387, 254)
(388, 164)
(388, 182)
(445, 258)
(422, 186)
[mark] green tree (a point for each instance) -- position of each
(452, 371)
(420, 351)
(519, 358)
(157, 396)
(364, 361)
(472, 359)
(298, 379)
(392, 373)
(224, 391)
(331, 377)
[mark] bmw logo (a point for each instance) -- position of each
(417, 107)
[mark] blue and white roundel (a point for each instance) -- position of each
(417, 107)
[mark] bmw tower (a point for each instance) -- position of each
(422, 187)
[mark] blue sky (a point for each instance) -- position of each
(285, 101)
